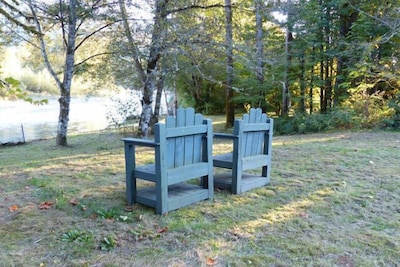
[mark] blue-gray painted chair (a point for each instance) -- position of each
(183, 151)
(252, 147)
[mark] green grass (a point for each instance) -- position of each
(333, 200)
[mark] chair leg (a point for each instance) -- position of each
(130, 179)
(236, 179)
(130, 189)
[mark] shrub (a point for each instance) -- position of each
(316, 122)
(38, 83)
(393, 122)
(122, 113)
(370, 109)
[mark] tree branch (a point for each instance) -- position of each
(92, 33)
(43, 46)
(93, 56)
(194, 7)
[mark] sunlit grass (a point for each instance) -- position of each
(332, 201)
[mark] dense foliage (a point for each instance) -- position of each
(314, 64)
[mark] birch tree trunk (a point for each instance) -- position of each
(64, 85)
(65, 98)
(150, 73)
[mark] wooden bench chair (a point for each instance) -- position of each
(252, 144)
(182, 151)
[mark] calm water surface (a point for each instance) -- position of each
(19, 119)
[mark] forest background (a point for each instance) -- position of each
(314, 65)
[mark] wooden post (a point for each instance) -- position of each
(23, 133)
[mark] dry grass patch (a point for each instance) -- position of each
(333, 201)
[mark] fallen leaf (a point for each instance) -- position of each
(73, 201)
(162, 230)
(211, 261)
(45, 205)
(303, 215)
(13, 208)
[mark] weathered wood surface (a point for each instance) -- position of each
(252, 147)
(183, 151)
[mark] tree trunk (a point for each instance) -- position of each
(131, 43)
(65, 98)
(148, 76)
(321, 37)
(347, 18)
(152, 67)
(259, 6)
(160, 88)
(311, 93)
(302, 106)
(229, 105)
(65, 85)
(288, 63)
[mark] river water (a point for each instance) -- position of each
(21, 121)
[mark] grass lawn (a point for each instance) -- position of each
(333, 200)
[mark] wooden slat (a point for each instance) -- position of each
(170, 123)
(187, 172)
(146, 172)
(245, 135)
(255, 135)
(253, 162)
(185, 194)
(180, 141)
(139, 142)
(197, 139)
(249, 181)
(261, 137)
(186, 131)
(188, 143)
(223, 160)
(256, 127)
(179, 195)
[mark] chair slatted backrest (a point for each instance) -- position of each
(184, 138)
(252, 129)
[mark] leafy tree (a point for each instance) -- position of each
(11, 14)
(70, 16)
(10, 87)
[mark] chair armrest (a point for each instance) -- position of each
(140, 142)
(224, 136)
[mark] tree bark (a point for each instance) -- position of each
(288, 63)
(347, 17)
(229, 105)
(152, 67)
(160, 88)
(259, 6)
(131, 43)
(64, 85)
(65, 98)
